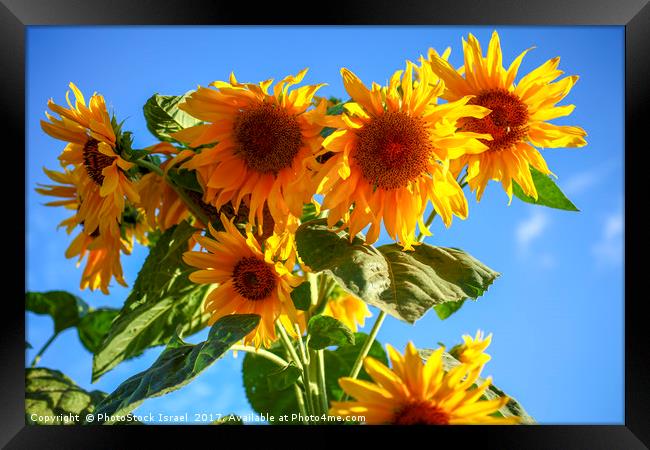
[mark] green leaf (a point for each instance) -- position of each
(178, 364)
(447, 309)
(510, 409)
(403, 284)
(164, 117)
(302, 295)
(339, 362)
(50, 397)
(185, 179)
(64, 308)
(264, 397)
(548, 193)
(163, 298)
(309, 213)
(283, 378)
(94, 327)
(326, 331)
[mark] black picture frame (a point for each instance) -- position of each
(16, 15)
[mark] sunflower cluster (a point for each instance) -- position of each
(260, 152)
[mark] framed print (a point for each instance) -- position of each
(375, 219)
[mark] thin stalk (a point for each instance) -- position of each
(356, 368)
(306, 362)
(193, 207)
(320, 358)
(286, 342)
(260, 352)
(301, 403)
(37, 358)
(433, 214)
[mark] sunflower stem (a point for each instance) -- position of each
(37, 358)
(193, 207)
(312, 395)
(288, 345)
(260, 352)
(301, 403)
(356, 368)
(320, 358)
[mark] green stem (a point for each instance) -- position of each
(193, 207)
(288, 345)
(286, 341)
(356, 368)
(37, 358)
(301, 403)
(433, 213)
(312, 397)
(260, 352)
(320, 358)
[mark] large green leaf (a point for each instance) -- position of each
(268, 397)
(65, 309)
(325, 331)
(405, 284)
(164, 117)
(548, 193)
(445, 310)
(177, 365)
(277, 399)
(339, 362)
(163, 298)
(51, 398)
(94, 327)
(510, 409)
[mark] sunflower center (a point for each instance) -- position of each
(253, 278)
(267, 138)
(95, 161)
(507, 121)
(420, 413)
(392, 150)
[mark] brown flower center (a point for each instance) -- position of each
(392, 150)
(267, 138)
(507, 121)
(95, 161)
(420, 413)
(253, 278)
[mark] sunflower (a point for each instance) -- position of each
(389, 156)
(262, 143)
(102, 183)
(417, 393)
(348, 309)
(251, 281)
(472, 348)
(102, 251)
(518, 121)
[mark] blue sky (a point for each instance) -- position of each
(556, 312)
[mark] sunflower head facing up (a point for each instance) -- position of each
(416, 393)
(250, 279)
(349, 310)
(518, 121)
(264, 140)
(92, 152)
(390, 156)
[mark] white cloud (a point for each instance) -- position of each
(608, 250)
(582, 182)
(531, 228)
